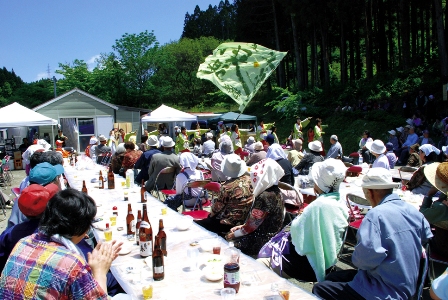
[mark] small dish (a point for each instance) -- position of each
(184, 223)
(206, 244)
(125, 249)
(213, 273)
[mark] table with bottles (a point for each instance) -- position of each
(184, 273)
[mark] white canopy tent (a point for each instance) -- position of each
(16, 115)
(166, 114)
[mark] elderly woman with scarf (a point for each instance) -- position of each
(117, 159)
(315, 237)
(225, 148)
(189, 162)
(266, 215)
(275, 152)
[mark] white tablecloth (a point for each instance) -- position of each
(179, 282)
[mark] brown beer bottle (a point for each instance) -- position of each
(130, 225)
(137, 227)
(142, 192)
(162, 236)
(101, 181)
(158, 268)
(84, 189)
(145, 235)
(110, 179)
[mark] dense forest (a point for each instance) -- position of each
(339, 52)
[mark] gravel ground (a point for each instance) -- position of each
(341, 265)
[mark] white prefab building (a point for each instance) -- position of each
(82, 115)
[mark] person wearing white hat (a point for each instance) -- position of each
(310, 158)
(209, 146)
(378, 149)
(102, 149)
(388, 249)
(234, 200)
(259, 154)
(393, 139)
(225, 148)
(249, 147)
(145, 159)
(160, 161)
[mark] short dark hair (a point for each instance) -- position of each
(36, 158)
(143, 138)
(52, 157)
(129, 145)
(68, 213)
(182, 128)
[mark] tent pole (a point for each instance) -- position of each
(52, 136)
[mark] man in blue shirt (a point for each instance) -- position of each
(403, 152)
(388, 250)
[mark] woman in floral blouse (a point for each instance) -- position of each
(266, 215)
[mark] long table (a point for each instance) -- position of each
(179, 282)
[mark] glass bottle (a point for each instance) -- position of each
(110, 179)
(142, 192)
(84, 188)
(232, 253)
(158, 268)
(137, 226)
(130, 221)
(232, 276)
(162, 236)
(145, 235)
(101, 181)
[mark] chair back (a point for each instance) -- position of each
(422, 273)
(359, 200)
(288, 187)
(406, 169)
(194, 184)
(213, 186)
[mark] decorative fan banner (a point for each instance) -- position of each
(239, 69)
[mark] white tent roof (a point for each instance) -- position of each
(168, 114)
(16, 115)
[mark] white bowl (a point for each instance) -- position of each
(184, 223)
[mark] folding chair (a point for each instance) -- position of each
(165, 192)
(16, 191)
(434, 257)
(196, 211)
(405, 169)
(292, 210)
(106, 159)
(3, 203)
(213, 187)
(207, 173)
(422, 273)
(355, 218)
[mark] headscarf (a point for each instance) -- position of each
(275, 151)
(264, 174)
(188, 160)
(225, 145)
(428, 148)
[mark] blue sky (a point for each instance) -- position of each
(35, 34)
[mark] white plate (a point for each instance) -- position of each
(213, 273)
(125, 250)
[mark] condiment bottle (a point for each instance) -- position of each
(145, 235)
(162, 236)
(84, 188)
(232, 274)
(115, 211)
(142, 192)
(137, 226)
(110, 179)
(101, 181)
(130, 225)
(158, 268)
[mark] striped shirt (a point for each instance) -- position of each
(39, 268)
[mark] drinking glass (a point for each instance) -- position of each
(193, 255)
(228, 294)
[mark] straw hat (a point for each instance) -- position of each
(378, 179)
(437, 175)
(315, 146)
(232, 166)
(377, 147)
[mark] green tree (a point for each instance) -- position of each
(76, 75)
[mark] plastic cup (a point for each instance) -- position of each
(164, 210)
(113, 220)
(193, 255)
(228, 294)
(284, 294)
(216, 246)
(147, 287)
(123, 183)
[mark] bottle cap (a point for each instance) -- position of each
(107, 225)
